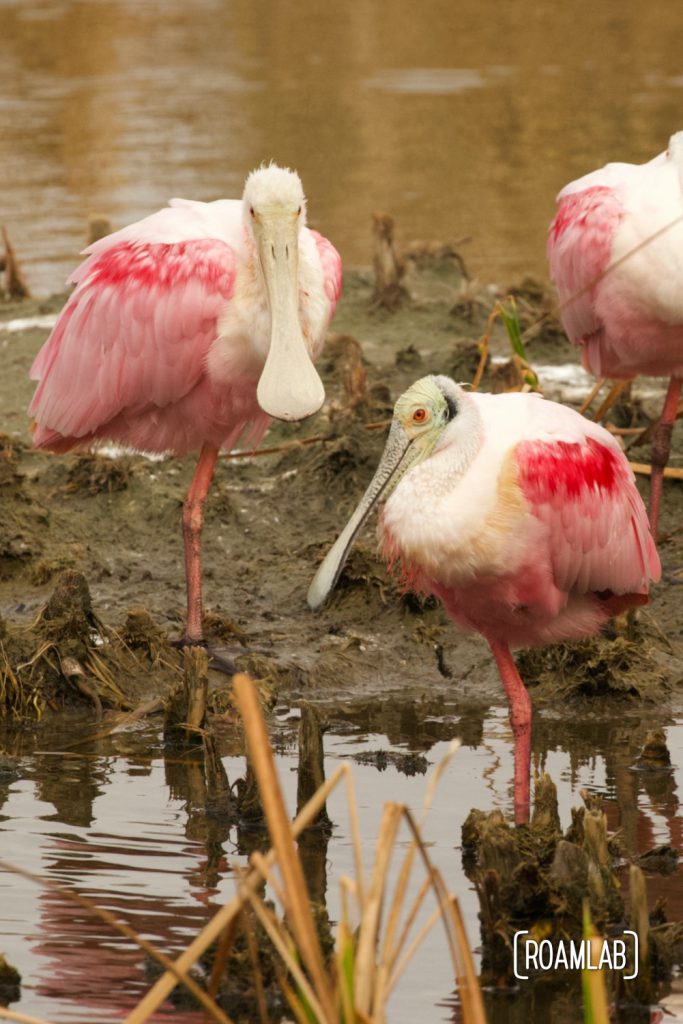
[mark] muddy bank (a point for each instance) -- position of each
(271, 517)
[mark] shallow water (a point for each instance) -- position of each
(116, 823)
(462, 123)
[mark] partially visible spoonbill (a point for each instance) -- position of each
(189, 329)
(615, 250)
(520, 515)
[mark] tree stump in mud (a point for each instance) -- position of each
(311, 771)
(389, 293)
(533, 878)
(655, 754)
(219, 801)
(69, 608)
(99, 226)
(14, 285)
(345, 355)
(10, 983)
(185, 713)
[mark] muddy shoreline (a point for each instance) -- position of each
(270, 518)
(92, 581)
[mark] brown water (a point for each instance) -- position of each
(115, 821)
(462, 121)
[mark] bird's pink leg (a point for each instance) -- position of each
(661, 447)
(520, 720)
(193, 519)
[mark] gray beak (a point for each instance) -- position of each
(388, 473)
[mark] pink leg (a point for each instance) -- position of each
(193, 519)
(661, 446)
(520, 720)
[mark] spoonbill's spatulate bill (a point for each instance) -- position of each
(189, 329)
(616, 255)
(519, 514)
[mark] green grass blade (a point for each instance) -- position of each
(510, 318)
(595, 1008)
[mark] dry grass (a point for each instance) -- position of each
(380, 930)
(373, 946)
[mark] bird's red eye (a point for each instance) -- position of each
(420, 416)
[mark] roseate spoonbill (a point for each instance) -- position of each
(520, 515)
(615, 250)
(189, 329)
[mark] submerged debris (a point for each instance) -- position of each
(10, 983)
(655, 755)
(407, 764)
(535, 879)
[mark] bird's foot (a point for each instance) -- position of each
(220, 658)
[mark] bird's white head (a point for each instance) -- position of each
(274, 210)
(432, 414)
(273, 190)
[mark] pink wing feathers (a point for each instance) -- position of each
(332, 268)
(584, 492)
(579, 252)
(134, 333)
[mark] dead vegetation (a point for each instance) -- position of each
(600, 666)
(269, 956)
(539, 880)
(68, 653)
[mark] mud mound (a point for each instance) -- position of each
(96, 474)
(68, 654)
(599, 666)
(537, 880)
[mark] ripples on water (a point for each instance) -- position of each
(462, 121)
(124, 828)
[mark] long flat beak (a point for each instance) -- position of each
(289, 387)
(389, 471)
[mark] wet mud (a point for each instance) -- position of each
(92, 580)
(269, 520)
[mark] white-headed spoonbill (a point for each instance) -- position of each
(188, 329)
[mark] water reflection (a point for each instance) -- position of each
(126, 827)
(465, 124)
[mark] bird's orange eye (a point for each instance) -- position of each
(420, 416)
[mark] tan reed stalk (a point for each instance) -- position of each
(297, 906)
(22, 1018)
(372, 907)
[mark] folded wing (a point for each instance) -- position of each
(134, 333)
(597, 528)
